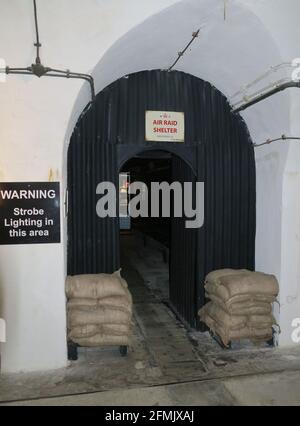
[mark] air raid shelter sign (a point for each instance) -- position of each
(29, 213)
(164, 126)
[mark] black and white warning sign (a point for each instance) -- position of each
(29, 213)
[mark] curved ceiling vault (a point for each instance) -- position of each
(228, 53)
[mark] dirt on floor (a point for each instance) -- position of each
(163, 353)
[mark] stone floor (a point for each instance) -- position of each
(167, 365)
(267, 390)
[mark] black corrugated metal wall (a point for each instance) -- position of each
(214, 135)
(183, 243)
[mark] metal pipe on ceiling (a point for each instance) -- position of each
(39, 70)
(263, 96)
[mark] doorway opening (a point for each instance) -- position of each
(157, 246)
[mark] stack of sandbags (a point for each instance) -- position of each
(99, 310)
(240, 305)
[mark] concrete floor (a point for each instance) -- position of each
(167, 365)
(261, 390)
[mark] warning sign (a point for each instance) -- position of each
(164, 126)
(29, 213)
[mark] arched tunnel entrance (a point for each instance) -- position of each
(216, 149)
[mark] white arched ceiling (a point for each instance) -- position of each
(228, 53)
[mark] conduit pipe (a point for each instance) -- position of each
(39, 70)
(263, 96)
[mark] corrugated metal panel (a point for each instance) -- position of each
(93, 243)
(225, 161)
(183, 255)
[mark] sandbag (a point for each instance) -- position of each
(227, 335)
(244, 305)
(82, 302)
(254, 283)
(253, 334)
(103, 315)
(103, 340)
(214, 276)
(119, 302)
(261, 321)
(96, 286)
(222, 317)
(239, 298)
(91, 330)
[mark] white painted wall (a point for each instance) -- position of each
(34, 118)
(111, 39)
(278, 179)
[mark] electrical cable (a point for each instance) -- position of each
(37, 44)
(195, 34)
(281, 138)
